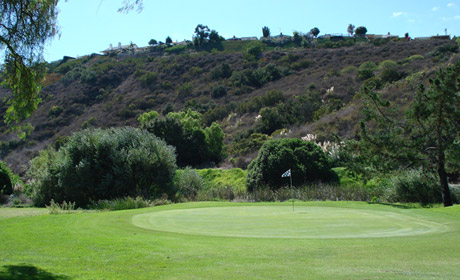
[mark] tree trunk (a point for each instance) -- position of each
(446, 197)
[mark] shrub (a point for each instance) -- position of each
(218, 91)
(390, 75)
(100, 164)
(6, 179)
(414, 186)
(350, 69)
(55, 111)
(222, 72)
(365, 74)
(148, 78)
(124, 203)
(307, 162)
(188, 183)
(387, 64)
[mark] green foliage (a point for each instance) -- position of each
(221, 72)
(26, 26)
(307, 162)
(365, 74)
(265, 32)
(414, 186)
(390, 75)
(387, 64)
(185, 89)
(188, 184)
(60, 208)
(350, 69)
(360, 30)
(424, 137)
(250, 144)
(104, 164)
(314, 31)
(147, 78)
(222, 184)
(254, 50)
(55, 111)
(257, 78)
(218, 91)
(194, 145)
(125, 203)
(7, 179)
(147, 117)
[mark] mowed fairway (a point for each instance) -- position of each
(319, 240)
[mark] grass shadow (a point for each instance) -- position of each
(28, 272)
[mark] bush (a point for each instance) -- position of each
(100, 164)
(390, 75)
(218, 91)
(188, 183)
(6, 179)
(414, 186)
(307, 162)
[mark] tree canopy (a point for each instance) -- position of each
(26, 25)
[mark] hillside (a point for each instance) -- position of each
(305, 90)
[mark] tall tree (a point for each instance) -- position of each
(351, 29)
(265, 32)
(201, 35)
(428, 133)
(26, 25)
(314, 31)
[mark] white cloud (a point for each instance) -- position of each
(435, 9)
(398, 14)
(457, 17)
(451, 5)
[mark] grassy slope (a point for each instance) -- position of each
(107, 245)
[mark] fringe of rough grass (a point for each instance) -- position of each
(64, 207)
(307, 193)
(126, 203)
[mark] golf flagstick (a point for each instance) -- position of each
(288, 174)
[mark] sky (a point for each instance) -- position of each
(90, 26)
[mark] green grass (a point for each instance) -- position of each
(215, 240)
(235, 177)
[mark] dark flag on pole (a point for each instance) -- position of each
(286, 174)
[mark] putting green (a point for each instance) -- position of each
(282, 222)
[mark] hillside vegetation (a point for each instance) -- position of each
(254, 91)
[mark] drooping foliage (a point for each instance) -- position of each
(26, 25)
(307, 162)
(99, 164)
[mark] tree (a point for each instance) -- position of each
(153, 42)
(314, 31)
(308, 163)
(350, 29)
(361, 31)
(266, 32)
(26, 25)
(194, 145)
(214, 37)
(201, 35)
(168, 40)
(428, 134)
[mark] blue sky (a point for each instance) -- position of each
(89, 26)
